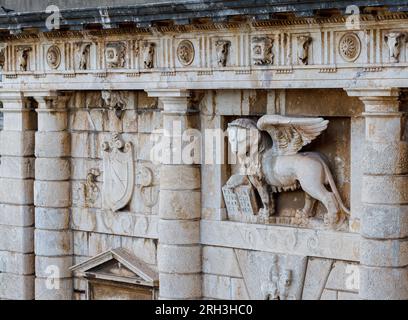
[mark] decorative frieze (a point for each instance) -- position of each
(283, 51)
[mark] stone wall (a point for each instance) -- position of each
(96, 230)
(317, 272)
(247, 275)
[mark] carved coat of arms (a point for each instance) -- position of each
(118, 168)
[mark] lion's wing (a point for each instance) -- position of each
(290, 134)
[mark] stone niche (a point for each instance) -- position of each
(117, 275)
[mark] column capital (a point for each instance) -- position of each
(373, 92)
(380, 101)
(11, 96)
(174, 100)
(52, 102)
(168, 93)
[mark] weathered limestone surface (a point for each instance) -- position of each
(180, 204)
(16, 198)
(383, 252)
(85, 110)
(53, 242)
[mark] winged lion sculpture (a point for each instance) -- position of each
(281, 167)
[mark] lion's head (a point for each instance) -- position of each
(245, 138)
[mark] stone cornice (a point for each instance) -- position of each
(183, 13)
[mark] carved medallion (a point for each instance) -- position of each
(118, 170)
(53, 57)
(185, 52)
(115, 55)
(350, 47)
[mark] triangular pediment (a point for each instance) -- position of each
(117, 265)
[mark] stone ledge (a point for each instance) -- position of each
(278, 239)
(117, 223)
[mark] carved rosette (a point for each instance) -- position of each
(53, 57)
(350, 47)
(185, 52)
(115, 55)
(119, 175)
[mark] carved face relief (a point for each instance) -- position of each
(262, 51)
(53, 57)
(394, 41)
(115, 100)
(148, 55)
(23, 55)
(222, 49)
(115, 55)
(82, 56)
(185, 52)
(237, 138)
(303, 49)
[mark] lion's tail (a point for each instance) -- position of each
(334, 188)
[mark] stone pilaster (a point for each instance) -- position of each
(16, 198)
(53, 238)
(179, 251)
(384, 220)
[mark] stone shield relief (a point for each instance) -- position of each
(118, 168)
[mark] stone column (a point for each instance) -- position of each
(384, 220)
(53, 238)
(16, 198)
(179, 250)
